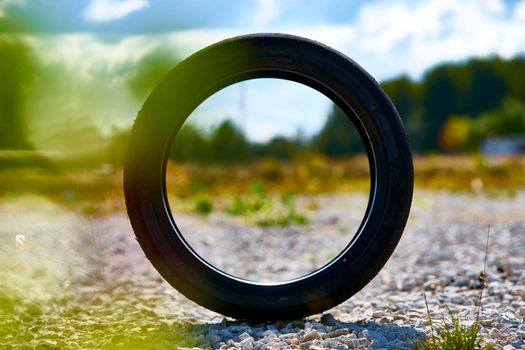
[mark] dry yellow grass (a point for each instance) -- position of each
(97, 191)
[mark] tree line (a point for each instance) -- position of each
(453, 107)
(456, 106)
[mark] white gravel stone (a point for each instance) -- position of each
(441, 253)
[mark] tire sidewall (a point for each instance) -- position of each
(271, 56)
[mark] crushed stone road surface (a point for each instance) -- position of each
(72, 282)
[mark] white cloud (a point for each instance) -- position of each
(187, 42)
(266, 11)
(86, 57)
(404, 37)
(410, 37)
(110, 10)
(6, 3)
(386, 38)
(519, 12)
(494, 6)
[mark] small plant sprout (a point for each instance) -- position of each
(264, 209)
(203, 205)
(453, 334)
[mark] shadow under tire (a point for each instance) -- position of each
(283, 57)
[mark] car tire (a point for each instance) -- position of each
(282, 57)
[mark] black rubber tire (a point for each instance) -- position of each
(269, 56)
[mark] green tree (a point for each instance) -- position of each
(403, 93)
(149, 71)
(513, 71)
(190, 145)
(228, 144)
(279, 147)
(338, 136)
(507, 120)
(487, 87)
(455, 134)
(441, 98)
(16, 76)
(117, 145)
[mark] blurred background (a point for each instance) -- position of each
(264, 153)
(74, 76)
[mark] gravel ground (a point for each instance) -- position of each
(72, 282)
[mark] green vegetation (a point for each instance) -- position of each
(258, 186)
(284, 217)
(338, 137)
(203, 205)
(453, 334)
(258, 201)
(265, 210)
(461, 133)
(226, 144)
(16, 75)
(471, 89)
(148, 72)
(453, 108)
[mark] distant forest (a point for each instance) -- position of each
(454, 108)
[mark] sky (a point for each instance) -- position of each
(97, 38)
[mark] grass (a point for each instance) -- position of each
(318, 174)
(313, 175)
(265, 210)
(284, 215)
(257, 201)
(452, 334)
(262, 192)
(203, 204)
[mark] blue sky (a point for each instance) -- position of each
(95, 38)
(139, 16)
